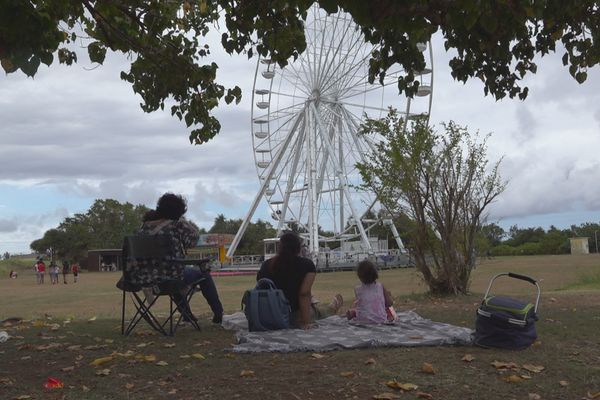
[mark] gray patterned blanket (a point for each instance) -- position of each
(336, 333)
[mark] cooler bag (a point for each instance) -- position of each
(505, 322)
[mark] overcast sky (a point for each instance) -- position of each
(75, 134)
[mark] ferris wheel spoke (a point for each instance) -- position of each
(359, 106)
(292, 96)
(294, 84)
(337, 64)
(353, 129)
(356, 89)
(344, 74)
(323, 39)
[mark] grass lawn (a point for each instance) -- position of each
(59, 340)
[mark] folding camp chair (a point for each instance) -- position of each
(147, 256)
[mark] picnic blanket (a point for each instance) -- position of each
(335, 333)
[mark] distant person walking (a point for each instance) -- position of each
(40, 270)
(53, 271)
(75, 270)
(65, 271)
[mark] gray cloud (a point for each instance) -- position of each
(8, 225)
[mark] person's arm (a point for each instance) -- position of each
(188, 233)
(389, 301)
(304, 300)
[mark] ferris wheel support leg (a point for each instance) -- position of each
(290, 182)
(263, 187)
(396, 235)
(342, 178)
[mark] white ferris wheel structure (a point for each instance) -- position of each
(305, 133)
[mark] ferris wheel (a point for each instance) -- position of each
(305, 122)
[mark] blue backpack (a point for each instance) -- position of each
(266, 307)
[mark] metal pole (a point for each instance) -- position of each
(596, 239)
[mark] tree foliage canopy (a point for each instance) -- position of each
(495, 41)
(103, 226)
(443, 183)
(252, 241)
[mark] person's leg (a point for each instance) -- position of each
(321, 311)
(210, 293)
(208, 289)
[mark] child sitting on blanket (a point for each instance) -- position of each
(373, 304)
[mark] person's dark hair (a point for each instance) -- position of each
(290, 245)
(150, 215)
(171, 206)
(367, 272)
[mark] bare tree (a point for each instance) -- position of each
(443, 183)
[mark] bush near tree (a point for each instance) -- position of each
(443, 183)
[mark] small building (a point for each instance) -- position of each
(212, 245)
(580, 245)
(104, 260)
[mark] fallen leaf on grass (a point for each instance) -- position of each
(162, 363)
(592, 396)
(198, 356)
(563, 383)
(144, 344)
(427, 368)
(129, 386)
(102, 360)
(525, 376)
(22, 397)
(386, 396)
(185, 356)
(92, 319)
(246, 373)
(534, 368)
(85, 389)
(512, 379)
(504, 365)
(109, 341)
(48, 346)
(68, 369)
(74, 347)
(95, 347)
(6, 382)
(468, 358)
(423, 395)
(317, 356)
(103, 372)
(407, 387)
(149, 358)
(168, 345)
(534, 396)
(347, 374)
(370, 361)
(172, 391)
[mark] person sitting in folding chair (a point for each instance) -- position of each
(169, 206)
(168, 220)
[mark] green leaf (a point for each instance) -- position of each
(97, 52)
(580, 77)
